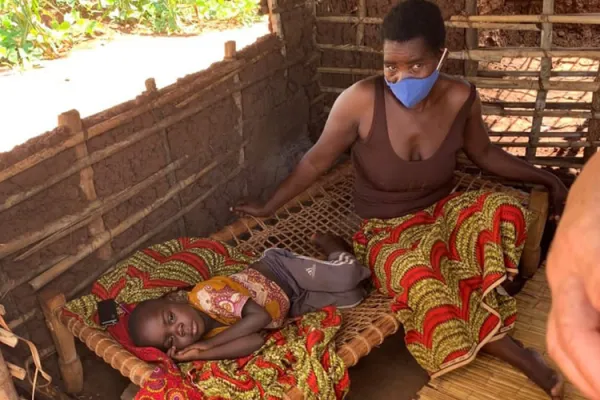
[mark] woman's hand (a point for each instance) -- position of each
(558, 193)
(252, 208)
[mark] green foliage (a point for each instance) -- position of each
(31, 30)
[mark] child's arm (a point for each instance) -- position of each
(254, 319)
(237, 348)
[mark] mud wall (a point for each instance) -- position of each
(215, 137)
(564, 35)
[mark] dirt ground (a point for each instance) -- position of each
(102, 73)
(389, 372)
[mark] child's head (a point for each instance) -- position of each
(164, 323)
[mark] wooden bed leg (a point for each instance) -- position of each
(68, 360)
(7, 387)
(538, 205)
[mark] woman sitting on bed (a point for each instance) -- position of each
(222, 317)
(443, 257)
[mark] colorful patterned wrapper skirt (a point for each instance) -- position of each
(443, 267)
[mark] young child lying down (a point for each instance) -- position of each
(222, 317)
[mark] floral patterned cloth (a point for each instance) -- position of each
(224, 297)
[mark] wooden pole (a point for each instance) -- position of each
(239, 127)
(480, 73)
(194, 97)
(150, 85)
(347, 19)
(65, 225)
(153, 232)
(492, 25)
(545, 69)
(538, 206)
(565, 135)
(169, 94)
(8, 338)
(360, 28)
(586, 18)
(471, 39)
(7, 388)
(278, 29)
(16, 371)
(100, 240)
(492, 110)
(513, 52)
(593, 133)
(171, 177)
(560, 145)
(503, 74)
(68, 360)
(559, 162)
(230, 53)
(72, 121)
(185, 112)
(23, 318)
(230, 50)
(528, 104)
(484, 54)
(534, 84)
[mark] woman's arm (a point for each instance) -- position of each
(493, 159)
(237, 348)
(341, 130)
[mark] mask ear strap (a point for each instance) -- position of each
(442, 59)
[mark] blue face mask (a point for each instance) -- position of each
(411, 91)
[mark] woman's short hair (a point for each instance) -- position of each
(411, 19)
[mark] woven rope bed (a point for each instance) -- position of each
(326, 207)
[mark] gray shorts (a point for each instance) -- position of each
(312, 284)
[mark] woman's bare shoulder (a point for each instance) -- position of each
(364, 88)
(456, 89)
(359, 95)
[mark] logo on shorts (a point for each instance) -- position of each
(311, 270)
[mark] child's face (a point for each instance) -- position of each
(168, 323)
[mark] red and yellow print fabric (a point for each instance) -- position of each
(442, 266)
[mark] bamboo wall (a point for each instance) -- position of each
(347, 34)
(170, 163)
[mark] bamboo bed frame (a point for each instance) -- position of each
(327, 207)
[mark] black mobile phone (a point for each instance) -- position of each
(107, 312)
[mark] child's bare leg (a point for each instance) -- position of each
(330, 243)
(529, 362)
